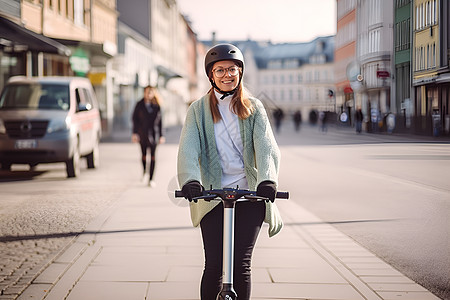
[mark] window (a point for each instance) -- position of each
(400, 3)
(78, 12)
(67, 8)
(374, 41)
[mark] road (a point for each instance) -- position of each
(389, 193)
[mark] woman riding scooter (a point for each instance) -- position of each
(227, 141)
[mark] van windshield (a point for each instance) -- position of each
(35, 96)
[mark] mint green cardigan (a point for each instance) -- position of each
(199, 160)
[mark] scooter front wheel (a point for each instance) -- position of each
(227, 293)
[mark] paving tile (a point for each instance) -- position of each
(173, 291)
(190, 274)
(108, 290)
(127, 272)
(305, 291)
(375, 265)
(51, 274)
(309, 274)
(147, 255)
(35, 291)
(353, 259)
(261, 275)
(394, 287)
(386, 279)
(377, 272)
(289, 258)
(73, 252)
(355, 253)
(407, 296)
(162, 239)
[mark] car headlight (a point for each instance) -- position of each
(2, 127)
(58, 125)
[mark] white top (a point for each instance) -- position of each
(229, 145)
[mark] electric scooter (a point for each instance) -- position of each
(229, 197)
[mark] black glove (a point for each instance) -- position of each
(192, 189)
(267, 189)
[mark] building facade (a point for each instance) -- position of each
(24, 49)
(346, 69)
(83, 33)
(295, 76)
(402, 105)
(374, 54)
(430, 66)
(156, 47)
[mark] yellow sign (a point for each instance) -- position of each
(97, 78)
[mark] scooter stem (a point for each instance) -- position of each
(227, 291)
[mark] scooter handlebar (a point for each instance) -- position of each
(282, 195)
(279, 195)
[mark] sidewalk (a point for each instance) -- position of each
(144, 247)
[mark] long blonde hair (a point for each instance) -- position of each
(240, 103)
(156, 96)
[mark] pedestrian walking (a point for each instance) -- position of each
(278, 115)
(227, 141)
(358, 119)
(147, 121)
(297, 120)
(323, 118)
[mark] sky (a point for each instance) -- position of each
(277, 21)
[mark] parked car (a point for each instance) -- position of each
(49, 120)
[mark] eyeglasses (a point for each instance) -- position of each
(232, 71)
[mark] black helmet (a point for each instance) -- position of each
(223, 52)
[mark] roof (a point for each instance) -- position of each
(47, 79)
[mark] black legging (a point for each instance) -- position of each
(248, 220)
(152, 147)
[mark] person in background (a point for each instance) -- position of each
(146, 121)
(323, 121)
(297, 117)
(358, 119)
(227, 141)
(278, 115)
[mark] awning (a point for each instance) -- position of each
(19, 38)
(94, 49)
(166, 73)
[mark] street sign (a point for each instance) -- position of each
(382, 74)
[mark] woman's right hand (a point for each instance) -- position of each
(192, 189)
(135, 138)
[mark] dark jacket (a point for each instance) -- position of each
(146, 120)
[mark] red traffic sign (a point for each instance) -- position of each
(382, 74)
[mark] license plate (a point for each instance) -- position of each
(26, 144)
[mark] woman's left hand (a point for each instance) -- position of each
(267, 189)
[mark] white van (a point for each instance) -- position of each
(48, 120)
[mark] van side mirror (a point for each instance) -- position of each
(84, 107)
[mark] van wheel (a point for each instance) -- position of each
(93, 158)
(6, 166)
(73, 164)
